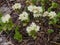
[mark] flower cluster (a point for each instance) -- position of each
(16, 6)
(51, 14)
(5, 18)
(39, 13)
(24, 16)
(32, 27)
(46, 13)
(37, 10)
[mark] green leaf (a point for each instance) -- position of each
(34, 1)
(17, 35)
(58, 15)
(53, 21)
(10, 25)
(33, 34)
(0, 28)
(43, 2)
(50, 31)
(1, 14)
(49, 9)
(54, 5)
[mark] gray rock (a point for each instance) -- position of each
(5, 10)
(3, 41)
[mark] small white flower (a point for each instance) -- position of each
(16, 6)
(28, 29)
(37, 15)
(32, 27)
(23, 16)
(52, 14)
(46, 13)
(37, 10)
(30, 8)
(40, 9)
(5, 18)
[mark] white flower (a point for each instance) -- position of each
(40, 9)
(46, 13)
(32, 27)
(37, 15)
(28, 29)
(23, 16)
(5, 18)
(52, 14)
(16, 6)
(30, 8)
(35, 9)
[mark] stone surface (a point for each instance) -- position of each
(3, 41)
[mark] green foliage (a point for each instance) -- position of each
(0, 21)
(43, 2)
(49, 31)
(17, 35)
(7, 26)
(58, 15)
(33, 34)
(34, 1)
(49, 9)
(53, 21)
(0, 14)
(53, 5)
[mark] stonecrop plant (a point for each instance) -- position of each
(37, 10)
(24, 17)
(16, 6)
(6, 22)
(32, 29)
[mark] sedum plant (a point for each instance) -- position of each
(24, 17)
(17, 35)
(52, 17)
(52, 14)
(53, 5)
(37, 10)
(6, 22)
(32, 30)
(50, 31)
(45, 14)
(16, 6)
(5, 18)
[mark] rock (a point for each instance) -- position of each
(4, 41)
(5, 10)
(0, 39)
